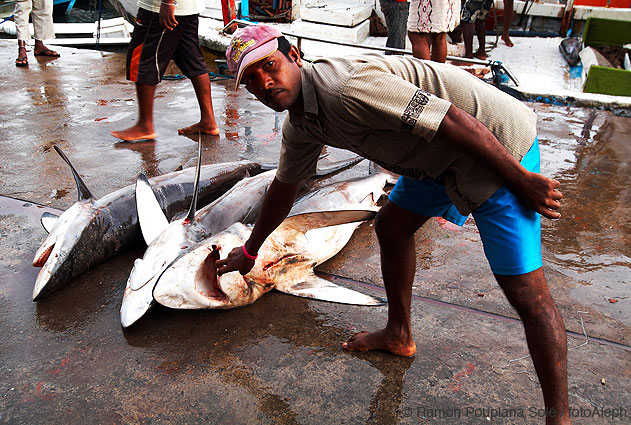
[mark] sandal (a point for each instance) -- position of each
(22, 60)
(47, 52)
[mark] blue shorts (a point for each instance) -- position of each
(510, 232)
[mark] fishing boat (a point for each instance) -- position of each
(6, 9)
(68, 4)
(8, 6)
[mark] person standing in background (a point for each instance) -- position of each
(507, 20)
(165, 30)
(42, 14)
(396, 14)
(472, 17)
(429, 22)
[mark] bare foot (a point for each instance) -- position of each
(199, 128)
(506, 39)
(480, 54)
(135, 133)
(461, 63)
(380, 340)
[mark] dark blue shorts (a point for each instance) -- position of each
(152, 47)
(510, 232)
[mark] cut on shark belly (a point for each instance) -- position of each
(93, 230)
(285, 261)
(241, 203)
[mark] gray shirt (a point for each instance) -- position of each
(388, 109)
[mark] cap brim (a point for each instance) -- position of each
(256, 55)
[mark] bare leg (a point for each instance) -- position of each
(480, 29)
(395, 229)
(206, 124)
(439, 47)
(420, 44)
(40, 47)
(143, 129)
(545, 334)
(507, 20)
(467, 35)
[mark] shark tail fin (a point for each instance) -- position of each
(82, 189)
(48, 221)
(321, 289)
(193, 208)
(150, 216)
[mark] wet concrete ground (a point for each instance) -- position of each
(66, 358)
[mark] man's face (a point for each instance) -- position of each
(275, 80)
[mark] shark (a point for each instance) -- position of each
(318, 226)
(93, 230)
(169, 241)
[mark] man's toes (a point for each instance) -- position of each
(354, 337)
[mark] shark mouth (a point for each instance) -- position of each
(41, 259)
(206, 279)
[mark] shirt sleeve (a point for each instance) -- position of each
(298, 155)
(387, 101)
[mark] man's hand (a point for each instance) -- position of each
(167, 15)
(236, 260)
(541, 194)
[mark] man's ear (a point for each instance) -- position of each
(294, 53)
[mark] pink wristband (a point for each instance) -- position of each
(248, 256)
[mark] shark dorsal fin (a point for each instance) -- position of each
(82, 189)
(150, 216)
(321, 289)
(193, 208)
(48, 220)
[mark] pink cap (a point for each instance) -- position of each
(249, 45)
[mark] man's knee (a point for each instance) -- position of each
(528, 294)
(393, 221)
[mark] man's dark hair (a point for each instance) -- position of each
(284, 46)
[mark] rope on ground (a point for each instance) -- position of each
(517, 361)
(173, 77)
(214, 76)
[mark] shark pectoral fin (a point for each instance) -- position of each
(150, 216)
(315, 219)
(329, 168)
(321, 289)
(48, 220)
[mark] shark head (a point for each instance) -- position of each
(60, 245)
(192, 282)
(174, 241)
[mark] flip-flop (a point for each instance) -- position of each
(47, 52)
(21, 61)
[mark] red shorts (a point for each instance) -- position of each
(152, 47)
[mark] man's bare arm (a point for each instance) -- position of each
(464, 131)
(278, 201)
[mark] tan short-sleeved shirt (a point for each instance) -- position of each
(388, 109)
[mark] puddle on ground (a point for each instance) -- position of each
(589, 152)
